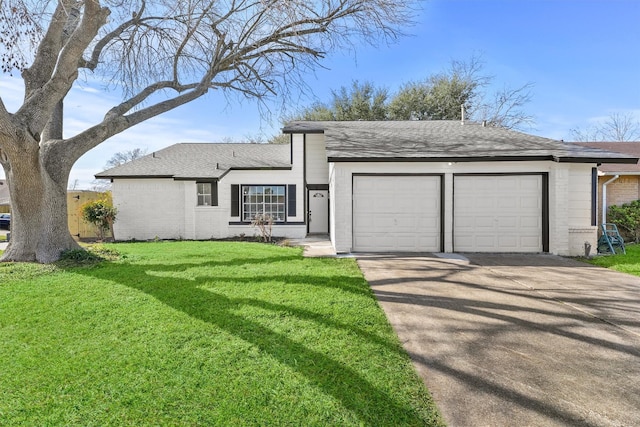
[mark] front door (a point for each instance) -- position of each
(318, 211)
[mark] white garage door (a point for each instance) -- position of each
(498, 213)
(396, 213)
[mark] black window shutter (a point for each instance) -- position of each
(214, 193)
(235, 200)
(291, 193)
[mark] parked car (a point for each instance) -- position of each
(5, 220)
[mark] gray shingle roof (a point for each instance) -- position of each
(203, 161)
(628, 148)
(442, 140)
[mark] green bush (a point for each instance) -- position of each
(100, 213)
(627, 217)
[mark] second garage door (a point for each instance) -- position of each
(396, 213)
(502, 213)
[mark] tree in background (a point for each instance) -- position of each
(119, 158)
(160, 54)
(504, 108)
(618, 127)
(441, 96)
(438, 97)
(123, 157)
(362, 101)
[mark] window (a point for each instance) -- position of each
(263, 199)
(207, 193)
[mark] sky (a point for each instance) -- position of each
(582, 57)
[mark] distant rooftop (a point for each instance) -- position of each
(443, 140)
(628, 148)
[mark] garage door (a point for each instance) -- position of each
(396, 213)
(498, 213)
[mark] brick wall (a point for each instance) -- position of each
(623, 190)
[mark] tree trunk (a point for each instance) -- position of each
(39, 228)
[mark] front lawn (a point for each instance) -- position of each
(201, 333)
(626, 263)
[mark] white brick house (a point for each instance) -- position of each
(417, 186)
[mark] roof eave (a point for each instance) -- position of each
(599, 160)
(223, 172)
(336, 159)
(306, 131)
(558, 159)
(98, 176)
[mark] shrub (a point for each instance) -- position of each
(263, 223)
(100, 213)
(627, 217)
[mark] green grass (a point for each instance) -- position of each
(626, 263)
(201, 333)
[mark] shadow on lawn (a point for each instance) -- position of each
(371, 405)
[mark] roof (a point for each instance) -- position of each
(443, 140)
(203, 161)
(4, 193)
(629, 148)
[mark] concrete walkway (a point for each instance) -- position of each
(510, 340)
(315, 246)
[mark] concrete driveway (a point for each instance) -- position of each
(513, 340)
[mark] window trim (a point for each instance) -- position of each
(213, 185)
(243, 203)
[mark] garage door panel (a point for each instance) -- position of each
(530, 203)
(509, 204)
(529, 241)
(533, 223)
(509, 242)
(396, 213)
(498, 213)
(508, 222)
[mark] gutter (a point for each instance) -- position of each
(604, 198)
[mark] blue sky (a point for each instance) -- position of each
(583, 57)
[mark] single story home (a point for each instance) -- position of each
(384, 186)
(618, 183)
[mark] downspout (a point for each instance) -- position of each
(604, 198)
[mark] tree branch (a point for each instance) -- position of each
(37, 108)
(47, 54)
(92, 63)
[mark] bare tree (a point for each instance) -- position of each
(617, 127)
(505, 109)
(162, 54)
(119, 158)
(74, 185)
(123, 157)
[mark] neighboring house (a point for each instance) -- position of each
(410, 186)
(5, 202)
(617, 183)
